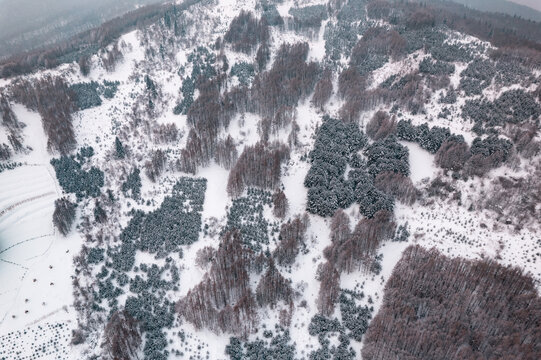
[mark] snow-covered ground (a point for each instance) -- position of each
(36, 267)
(36, 263)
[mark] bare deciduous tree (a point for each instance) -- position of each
(122, 337)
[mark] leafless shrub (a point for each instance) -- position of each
(452, 155)
(522, 137)
(122, 337)
(273, 287)
(166, 133)
(323, 90)
(205, 256)
(291, 239)
(381, 125)
(397, 185)
(280, 204)
(154, 167)
(329, 288)
(226, 153)
(515, 200)
(258, 165)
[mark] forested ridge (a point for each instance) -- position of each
(281, 180)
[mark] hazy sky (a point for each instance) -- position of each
(535, 4)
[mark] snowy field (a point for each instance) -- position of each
(36, 263)
(35, 267)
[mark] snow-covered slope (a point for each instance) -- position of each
(54, 284)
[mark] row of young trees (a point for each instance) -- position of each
(511, 107)
(435, 307)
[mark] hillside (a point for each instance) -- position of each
(258, 179)
(28, 24)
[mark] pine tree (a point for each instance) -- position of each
(120, 152)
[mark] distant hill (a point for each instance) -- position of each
(27, 24)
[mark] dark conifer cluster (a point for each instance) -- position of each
(73, 179)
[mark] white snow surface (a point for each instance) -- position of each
(36, 263)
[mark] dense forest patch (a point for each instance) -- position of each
(436, 307)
